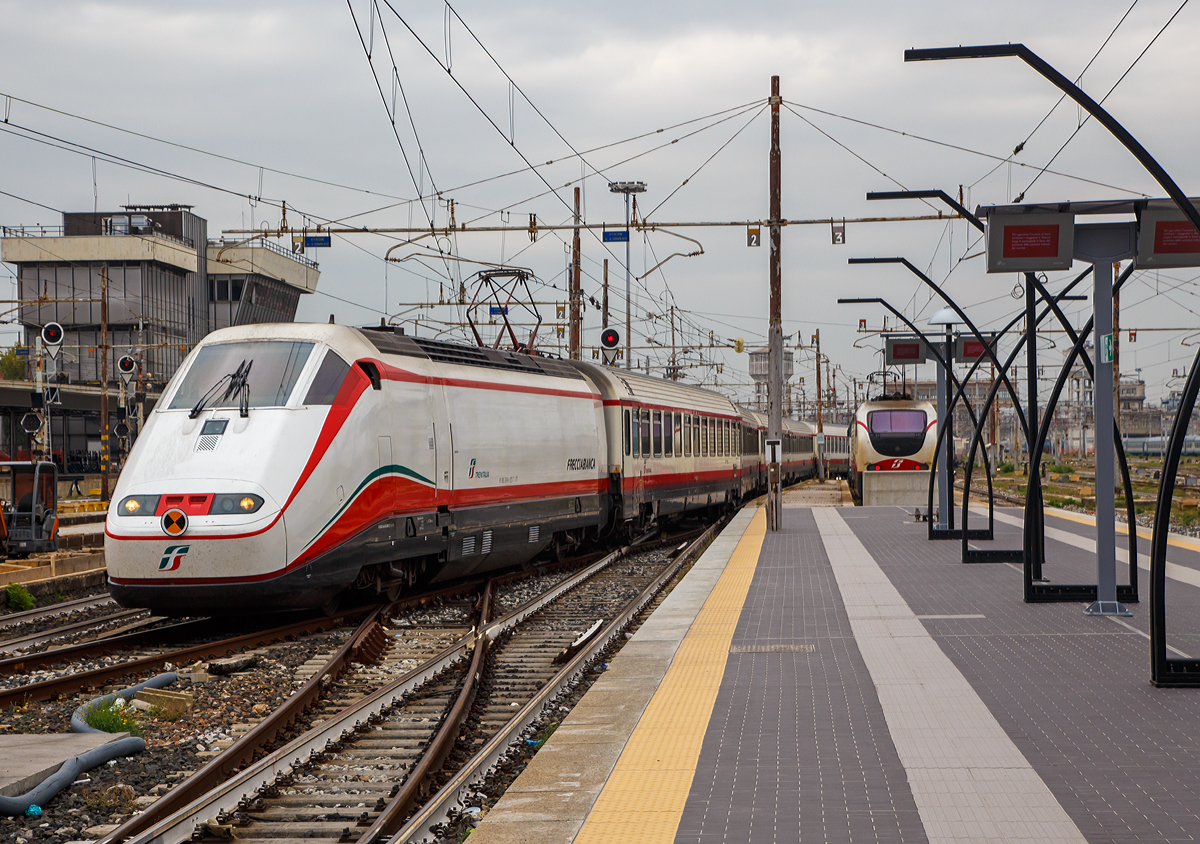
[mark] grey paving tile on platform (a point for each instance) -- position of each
(1070, 691)
(961, 765)
(797, 748)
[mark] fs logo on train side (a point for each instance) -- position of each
(172, 557)
(174, 522)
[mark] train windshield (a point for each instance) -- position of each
(276, 367)
(896, 421)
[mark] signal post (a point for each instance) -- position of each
(775, 330)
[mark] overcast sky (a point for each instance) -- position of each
(286, 89)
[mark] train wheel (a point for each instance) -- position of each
(330, 607)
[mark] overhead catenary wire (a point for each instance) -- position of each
(1002, 159)
(383, 98)
(1021, 146)
(1085, 121)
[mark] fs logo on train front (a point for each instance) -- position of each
(172, 557)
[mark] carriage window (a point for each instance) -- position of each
(677, 433)
(274, 367)
(626, 432)
(695, 436)
(724, 424)
(687, 434)
(704, 436)
(668, 440)
(328, 380)
(657, 427)
(645, 432)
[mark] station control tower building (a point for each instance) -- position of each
(759, 372)
(165, 286)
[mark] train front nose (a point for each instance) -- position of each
(196, 553)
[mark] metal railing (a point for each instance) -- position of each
(268, 244)
(60, 231)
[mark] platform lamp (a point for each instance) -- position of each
(948, 318)
(627, 188)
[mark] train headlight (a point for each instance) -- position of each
(235, 504)
(138, 505)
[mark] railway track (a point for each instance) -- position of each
(64, 607)
(32, 640)
(372, 754)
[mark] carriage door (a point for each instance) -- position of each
(644, 462)
(385, 481)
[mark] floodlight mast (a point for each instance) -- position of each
(627, 188)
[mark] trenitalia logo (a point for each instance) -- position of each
(172, 557)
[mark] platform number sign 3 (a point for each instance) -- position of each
(753, 236)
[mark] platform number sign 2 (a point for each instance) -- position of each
(753, 236)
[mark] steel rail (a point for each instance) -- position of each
(437, 811)
(416, 784)
(10, 645)
(104, 645)
(49, 689)
(55, 609)
(99, 647)
(366, 645)
(279, 764)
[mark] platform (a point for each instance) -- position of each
(848, 680)
(26, 760)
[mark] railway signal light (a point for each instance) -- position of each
(121, 429)
(31, 422)
(127, 368)
(739, 345)
(610, 338)
(52, 337)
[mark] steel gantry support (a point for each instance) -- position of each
(1164, 671)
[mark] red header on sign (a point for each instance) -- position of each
(906, 351)
(1040, 241)
(1176, 237)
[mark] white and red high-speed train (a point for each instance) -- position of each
(285, 464)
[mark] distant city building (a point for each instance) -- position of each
(168, 286)
(760, 371)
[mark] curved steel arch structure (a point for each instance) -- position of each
(1164, 671)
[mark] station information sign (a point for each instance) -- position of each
(968, 348)
(1035, 242)
(904, 351)
(1167, 239)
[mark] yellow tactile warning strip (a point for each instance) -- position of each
(643, 799)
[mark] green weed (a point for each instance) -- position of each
(18, 598)
(115, 719)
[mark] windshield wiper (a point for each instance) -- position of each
(235, 383)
